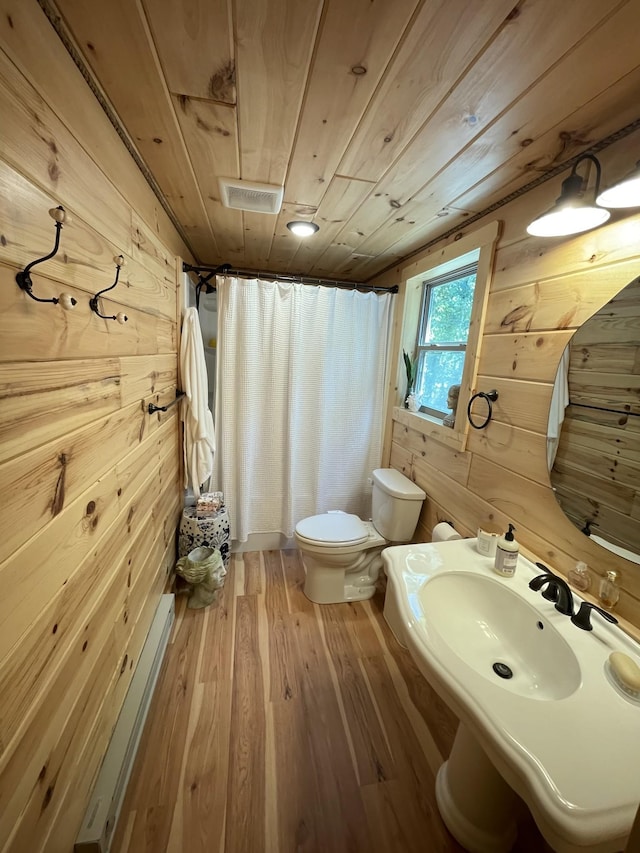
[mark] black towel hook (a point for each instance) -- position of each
(93, 302)
(153, 408)
(489, 396)
(23, 278)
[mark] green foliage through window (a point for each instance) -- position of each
(442, 337)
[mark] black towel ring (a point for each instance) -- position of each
(489, 396)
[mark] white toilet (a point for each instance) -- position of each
(341, 553)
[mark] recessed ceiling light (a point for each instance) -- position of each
(303, 229)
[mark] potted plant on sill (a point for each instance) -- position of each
(411, 401)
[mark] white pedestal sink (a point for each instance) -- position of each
(539, 718)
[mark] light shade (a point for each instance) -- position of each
(626, 193)
(565, 220)
(571, 214)
(303, 229)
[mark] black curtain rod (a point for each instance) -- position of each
(205, 274)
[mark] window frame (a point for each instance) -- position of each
(428, 287)
(412, 275)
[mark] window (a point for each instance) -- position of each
(445, 314)
(445, 296)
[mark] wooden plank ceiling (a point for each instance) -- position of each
(388, 123)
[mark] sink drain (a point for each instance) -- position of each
(502, 670)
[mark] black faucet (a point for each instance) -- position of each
(558, 591)
(583, 617)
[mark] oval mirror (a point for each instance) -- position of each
(593, 437)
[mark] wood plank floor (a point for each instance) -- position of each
(279, 725)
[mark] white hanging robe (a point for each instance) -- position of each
(199, 434)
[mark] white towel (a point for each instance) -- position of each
(199, 435)
(559, 402)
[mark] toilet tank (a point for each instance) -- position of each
(396, 505)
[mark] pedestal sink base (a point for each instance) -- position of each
(474, 801)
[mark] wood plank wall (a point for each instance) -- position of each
(596, 473)
(542, 290)
(89, 480)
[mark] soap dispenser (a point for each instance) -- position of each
(609, 592)
(507, 550)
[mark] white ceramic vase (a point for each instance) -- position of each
(412, 403)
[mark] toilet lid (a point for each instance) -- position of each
(333, 528)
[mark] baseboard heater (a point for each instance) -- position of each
(100, 819)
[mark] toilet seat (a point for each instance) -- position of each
(332, 530)
(341, 553)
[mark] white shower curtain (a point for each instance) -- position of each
(300, 403)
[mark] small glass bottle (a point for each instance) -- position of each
(579, 577)
(609, 590)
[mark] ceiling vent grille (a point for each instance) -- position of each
(243, 195)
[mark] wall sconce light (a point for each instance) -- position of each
(59, 215)
(572, 213)
(93, 302)
(626, 193)
(303, 229)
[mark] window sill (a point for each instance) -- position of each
(431, 427)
